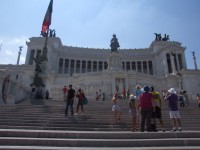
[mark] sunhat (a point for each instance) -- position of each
(172, 90)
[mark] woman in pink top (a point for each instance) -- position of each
(146, 107)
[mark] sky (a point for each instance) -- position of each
(91, 23)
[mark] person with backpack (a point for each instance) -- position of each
(80, 95)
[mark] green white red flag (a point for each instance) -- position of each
(47, 19)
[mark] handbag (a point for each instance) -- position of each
(85, 101)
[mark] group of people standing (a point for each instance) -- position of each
(69, 95)
(146, 102)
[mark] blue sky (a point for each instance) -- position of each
(91, 23)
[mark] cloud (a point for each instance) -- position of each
(7, 52)
(10, 49)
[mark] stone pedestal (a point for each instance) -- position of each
(115, 61)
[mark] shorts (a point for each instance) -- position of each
(174, 114)
(115, 108)
(157, 113)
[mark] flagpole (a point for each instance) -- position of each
(45, 29)
(45, 49)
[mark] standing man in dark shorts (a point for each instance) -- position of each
(157, 113)
(70, 100)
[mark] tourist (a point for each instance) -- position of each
(104, 96)
(70, 100)
(97, 95)
(181, 99)
(80, 95)
(116, 109)
(128, 93)
(172, 99)
(47, 94)
(124, 93)
(132, 111)
(157, 113)
(185, 97)
(138, 92)
(198, 100)
(65, 91)
(146, 108)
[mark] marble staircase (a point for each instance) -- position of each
(42, 125)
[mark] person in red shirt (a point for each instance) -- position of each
(146, 108)
(65, 90)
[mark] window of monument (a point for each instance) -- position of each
(150, 67)
(175, 62)
(123, 66)
(66, 67)
(133, 65)
(94, 66)
(180, 61)
(144, 66)
(71, 67)
(139, 66)
(128, 67)
(78, 66)
(169, 63)
(83, 66)
(89, 65)
(100, 65)
(38, 54)
(105, 65)
(32, 55)
(60, 67)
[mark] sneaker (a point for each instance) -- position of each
(173, 130)
(163, 130)
(76, 114)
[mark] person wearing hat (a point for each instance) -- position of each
(174, 114)
(132, 111)
(146, 109)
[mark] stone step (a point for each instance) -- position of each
(97, 139)
(77, 142)
(98, 148)
(97, 134)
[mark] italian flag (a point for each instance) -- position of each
(47, 19)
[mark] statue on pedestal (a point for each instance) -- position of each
(159, 37)
(38, 80)
(114, 44)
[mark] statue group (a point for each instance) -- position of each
(50, 33)
(114, 44)
(159, 37)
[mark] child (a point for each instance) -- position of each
(116, 109)
(132, 111)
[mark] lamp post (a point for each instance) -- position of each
(19, 53)
(194, 58)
